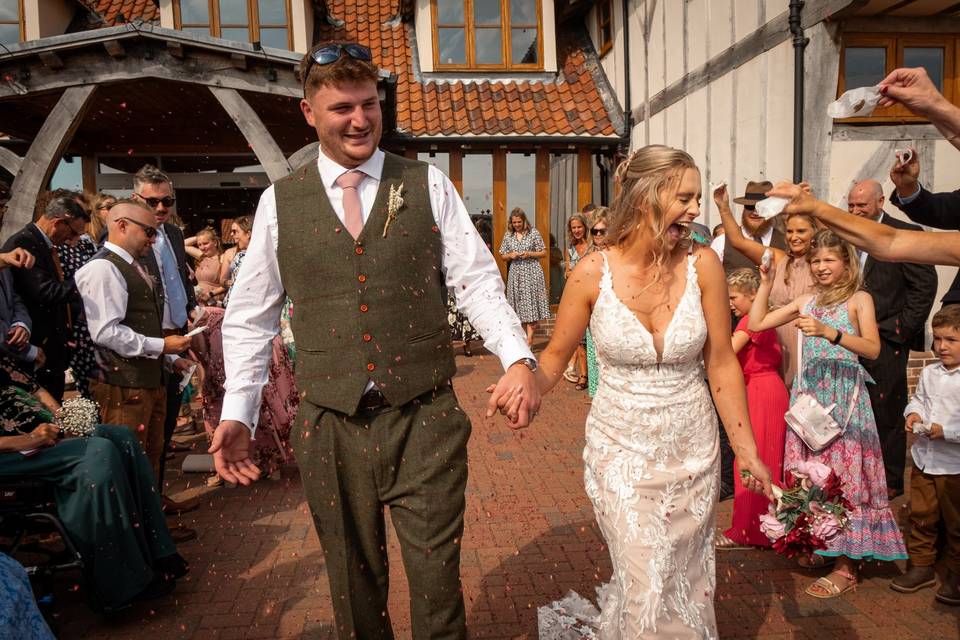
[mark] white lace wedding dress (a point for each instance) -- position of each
(651, 470)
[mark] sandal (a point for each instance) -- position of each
(570, 375)
(815, 561)
(829, 587)
(581, 383)
(723, 543)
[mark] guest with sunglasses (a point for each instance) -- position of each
(123, 305)
(168, 264)
(50, 296)
(363, 242)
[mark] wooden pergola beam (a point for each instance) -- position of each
(10, 161)
(115, 48)
(304, 154)
(43, 156)
(256, 133)
(200, 67)
(51, 60)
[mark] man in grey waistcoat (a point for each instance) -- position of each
(363, 242)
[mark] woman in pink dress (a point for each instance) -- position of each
(206, 250)
(767, 401)
(791, 271)
(280, 402)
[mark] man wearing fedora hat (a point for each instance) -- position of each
(753, 226)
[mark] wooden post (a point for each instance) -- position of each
(499, 205)
(542, 195)
(256, 133)
(43, 156)
(88, 173)
(455, 157)
(584, 178)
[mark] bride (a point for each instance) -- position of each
(658, 312)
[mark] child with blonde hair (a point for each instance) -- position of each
(838, 325)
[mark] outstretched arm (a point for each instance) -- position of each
(881, 241)
(724, 373)
(761, 317)
(913, 89)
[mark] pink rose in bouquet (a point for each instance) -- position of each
(826, 525)
(771, 527)
(810, 510)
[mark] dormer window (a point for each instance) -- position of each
(487, 34)
(266, 21)
(11, 21)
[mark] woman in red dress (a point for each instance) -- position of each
(767, 400)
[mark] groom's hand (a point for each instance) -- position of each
(231, 453)
(515, 395)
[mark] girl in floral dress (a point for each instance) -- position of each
(839, 324)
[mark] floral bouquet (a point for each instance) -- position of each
(78, 416)
(810, 510)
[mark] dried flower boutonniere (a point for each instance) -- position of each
(394, 203)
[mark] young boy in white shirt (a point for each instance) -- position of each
(934, 415)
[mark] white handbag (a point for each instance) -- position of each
(810, 420)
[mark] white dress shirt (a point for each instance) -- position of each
(104, 293)
(937, 400)
(252, 317)
(720, 242)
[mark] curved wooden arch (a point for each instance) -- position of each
(10, 161)
(303, 155)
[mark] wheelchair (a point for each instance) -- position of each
(27, 507)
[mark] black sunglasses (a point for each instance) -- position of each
(332, 52)
(167, 201)
(598, 232)
(149, 231)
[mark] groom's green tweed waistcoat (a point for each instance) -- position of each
(143, 315)
(365, 309)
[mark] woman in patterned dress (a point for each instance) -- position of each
(522, 248)
(72, 257)
(839, 326)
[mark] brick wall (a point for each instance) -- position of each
(918, 360)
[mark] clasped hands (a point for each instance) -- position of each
(516, 396)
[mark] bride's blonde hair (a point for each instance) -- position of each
(645, 178)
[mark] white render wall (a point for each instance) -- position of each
(740, 126)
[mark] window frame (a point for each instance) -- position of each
(506, 42)
(20, 23)
(895, 45)
(253, 21)
(605, 45)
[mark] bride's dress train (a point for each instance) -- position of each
(651, 470)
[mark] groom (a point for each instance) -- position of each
(363, 242)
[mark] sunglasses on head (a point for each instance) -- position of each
(147, 229)
(332, 52)
(598, 232)
(167, 201)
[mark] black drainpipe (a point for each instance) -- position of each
(799, 44)
(604, 191)
(628, 110)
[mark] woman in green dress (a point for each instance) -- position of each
(104, 488)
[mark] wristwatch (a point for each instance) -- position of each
(529, 362)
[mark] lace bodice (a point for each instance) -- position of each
(624, 345)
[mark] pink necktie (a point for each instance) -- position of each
(143, 273)
(352, 212)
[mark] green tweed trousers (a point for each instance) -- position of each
(412, 460)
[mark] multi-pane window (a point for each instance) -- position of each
(487, 34)
(605, 25)
(11, 21)
(266, 21)
(866, 59)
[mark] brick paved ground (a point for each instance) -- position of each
(258, 571)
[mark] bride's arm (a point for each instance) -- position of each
(724, 374)
(573, 315)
